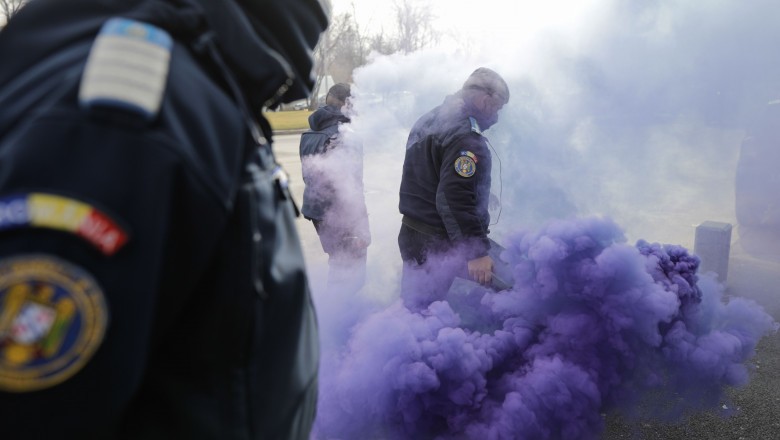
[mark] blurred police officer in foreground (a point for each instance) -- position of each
(445, 190)
(151, 280)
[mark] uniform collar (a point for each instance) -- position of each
(475, 125)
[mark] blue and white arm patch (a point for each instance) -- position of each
(127, 68)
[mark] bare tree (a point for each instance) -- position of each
(9, 8)
(346, 45)
(383, 44)
(414, 21)
(341, 49)
(349, 50)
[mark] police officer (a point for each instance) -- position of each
(445, 190)
(151, 279)
(332, 168)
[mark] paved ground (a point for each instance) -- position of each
(753, 273)
(286, 149)
(752, 411)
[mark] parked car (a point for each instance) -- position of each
(301, 104)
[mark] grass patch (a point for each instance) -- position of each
(288, 120)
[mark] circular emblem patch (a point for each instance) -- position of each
(465, 166)
(52, 319)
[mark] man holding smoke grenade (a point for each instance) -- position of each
(151, 279)
(445, 191)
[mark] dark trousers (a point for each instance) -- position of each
(416, 246)
(431, 263)
(346, 259)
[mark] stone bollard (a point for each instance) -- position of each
(712, 245)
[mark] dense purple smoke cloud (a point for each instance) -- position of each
(591, 325)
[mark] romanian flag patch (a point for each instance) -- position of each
(41, 210)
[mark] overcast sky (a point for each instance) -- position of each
(520, 21)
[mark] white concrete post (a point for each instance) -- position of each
(712, 245)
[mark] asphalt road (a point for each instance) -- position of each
(749, 413)
(286, 151)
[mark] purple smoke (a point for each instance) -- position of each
(591, 325)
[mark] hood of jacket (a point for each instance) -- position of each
(326, 116)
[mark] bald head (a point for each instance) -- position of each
(488, 81)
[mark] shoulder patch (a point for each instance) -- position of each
(53, 318)
(42, 210)
(127, 68)
(466, 164)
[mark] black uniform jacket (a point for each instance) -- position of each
(322, 136)
(151, 279)
(446, 176)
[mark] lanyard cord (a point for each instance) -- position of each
(500, 183)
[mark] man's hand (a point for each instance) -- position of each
(481, 269)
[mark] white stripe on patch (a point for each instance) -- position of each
(127, 67)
